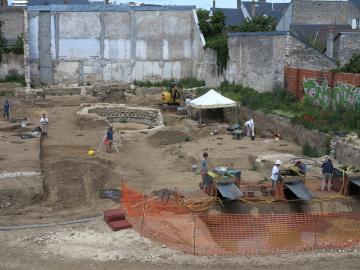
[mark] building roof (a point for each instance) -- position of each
(316, 34)
(356, 3)
(233, 16)
(56, 2)
(276, 10)
(103, 7)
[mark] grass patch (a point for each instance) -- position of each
(309, 151)
(20, 79)
(185, 83)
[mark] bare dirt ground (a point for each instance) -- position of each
(148, 162)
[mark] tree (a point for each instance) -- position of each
(257, 24)
(215, 35)
(2, 43)
(353, 66)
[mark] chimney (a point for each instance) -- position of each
(253, 9)
(239, 4)
(214, 5)
(330, 42)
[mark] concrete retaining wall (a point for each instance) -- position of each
(11, 64)
(112, 45)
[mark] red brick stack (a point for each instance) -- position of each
(115, 218)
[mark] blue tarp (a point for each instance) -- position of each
(229, 191)
(299, 189)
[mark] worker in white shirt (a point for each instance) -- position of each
(250, 127)
(44, 121)
(187, 103)
(275, 172)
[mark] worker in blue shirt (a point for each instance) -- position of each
(6, 109)
(109, 139)
(327, 170)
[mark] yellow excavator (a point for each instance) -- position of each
(173, 95)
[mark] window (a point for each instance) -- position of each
(355, 24)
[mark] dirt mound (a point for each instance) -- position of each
(72, 183)
(168, 137)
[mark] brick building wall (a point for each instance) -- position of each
(12, 19)
(346, 44)
(321, 12)
(294, 79)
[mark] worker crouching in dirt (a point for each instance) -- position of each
(250, 128)
(275, 173)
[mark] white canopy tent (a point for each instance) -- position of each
(212, 100)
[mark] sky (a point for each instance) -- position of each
(199, 3)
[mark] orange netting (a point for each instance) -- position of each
(228, 234)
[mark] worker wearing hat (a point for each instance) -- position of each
(275, 175)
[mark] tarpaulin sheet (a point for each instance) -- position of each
(355, 181)
(229, 191)
(299, 189)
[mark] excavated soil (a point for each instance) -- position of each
(72, 182)
(168, 137)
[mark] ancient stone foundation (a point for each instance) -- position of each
(115, 113)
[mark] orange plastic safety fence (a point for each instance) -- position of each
(230, 234)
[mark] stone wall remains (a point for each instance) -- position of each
(321, 12)
(345, 45)
(11, 64)
(12, 19)
(347, 153)
(258, 59)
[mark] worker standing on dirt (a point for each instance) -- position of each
(187, 103)
(250, 128)
(204, 169)
(327, 170)
(44, 121)
(275, 172)
(109, 139)
(6, 110)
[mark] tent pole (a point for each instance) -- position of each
(236, 116)
(200, 115)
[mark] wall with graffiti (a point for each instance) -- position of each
(322, 95)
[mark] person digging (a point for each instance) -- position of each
(44, 121)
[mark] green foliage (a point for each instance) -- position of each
(2, 43)
(305, 113)
(20, 79)
(123, 120)
(18, 48)
(188, 139)
(215, 35)
(257, 24)
(309, 151)
(353, 66)
(185, 83)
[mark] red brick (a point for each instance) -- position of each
(119, 225)
(114, 214)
